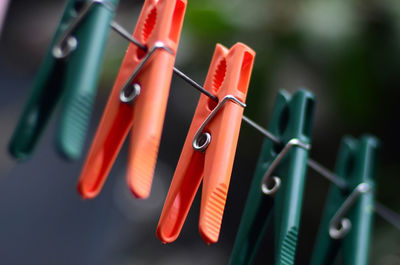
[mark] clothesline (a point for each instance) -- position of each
(387, 214)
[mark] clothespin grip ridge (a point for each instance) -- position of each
(148, 73)
(209, 149)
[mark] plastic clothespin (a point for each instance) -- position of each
(281, 172)
(139, 98)
(70, 69)
(347, 219)
(210, 146)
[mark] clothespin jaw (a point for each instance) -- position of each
(139, 97)
(356, 165)
(214, 133)
(71, 67)
(291, 123)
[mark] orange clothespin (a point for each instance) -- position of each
(210, 146)
(139, 97)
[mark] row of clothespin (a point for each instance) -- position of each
(138, 99)
(276, 192)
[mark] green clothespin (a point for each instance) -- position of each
(280, 172)
(70, 69)
(347, 219)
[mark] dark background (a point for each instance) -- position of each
(347, 52)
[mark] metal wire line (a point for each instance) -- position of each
(312, 164)
(387, 214)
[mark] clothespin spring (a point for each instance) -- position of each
(130, 91)
(268, 178)
(123, 33)
(339, 226)
(68, 43)
(202, 140)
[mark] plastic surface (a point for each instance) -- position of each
(159, 21)
(76, 76)
(229, 74)
(357, 243)
(326, 249)
(292, 118)
(82, 75)
(356, 163)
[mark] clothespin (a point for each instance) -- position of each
(70, 69)
(281, 172)
(139, 98)
(210, 146)
(347, 219)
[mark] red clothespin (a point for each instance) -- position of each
(139, 97)
(210, 146)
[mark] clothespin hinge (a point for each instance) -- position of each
(130, 91)
(339, 226)
(266, 180)
(68, 43)
(202, 140)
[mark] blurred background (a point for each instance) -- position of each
(347, 52)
